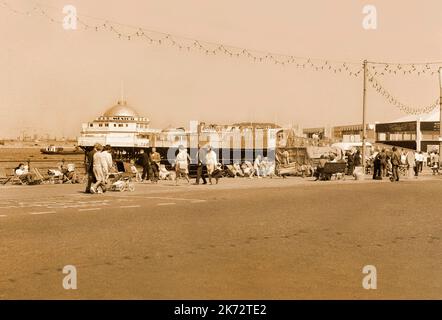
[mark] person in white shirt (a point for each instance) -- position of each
(419, 160)
(182, 164)
(98, 163)
(211, 162)
(106, 161)
(23, 173)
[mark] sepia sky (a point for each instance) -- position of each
(52, 80)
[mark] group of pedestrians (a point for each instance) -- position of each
(392, 163)
(384, 163)
(206, 163)
(150, 162)
(98, 166)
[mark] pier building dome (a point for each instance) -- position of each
(121, 109)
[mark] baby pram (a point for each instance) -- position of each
(165, 174)
(122, 180)
(119, 181)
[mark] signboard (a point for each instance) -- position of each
(396, 127)
(430, 126)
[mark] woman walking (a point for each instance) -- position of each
(98, 170)
(211, 162)
(182, 164)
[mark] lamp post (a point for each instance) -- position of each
(440, 110)
(364, 129)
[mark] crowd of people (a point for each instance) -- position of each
(392, 163)
(395, 162)
(260, 168)
(384, 163)
(64, 173)
(99, 164)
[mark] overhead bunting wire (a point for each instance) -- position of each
(128, 32)
(402, 69)
(415, 110)
(353, 69)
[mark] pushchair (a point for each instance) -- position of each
(165, 174)
(119, 181)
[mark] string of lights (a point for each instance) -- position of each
(152, 37)
(400, 69)
(379, 88)
(131, 33)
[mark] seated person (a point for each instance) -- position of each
(69, 174)
(238, 170)
(247, 168)
(320, 168)
(134, 170)
(23, 173)
(218, 172)
(332, 157)
(163, 173)
(267, 167)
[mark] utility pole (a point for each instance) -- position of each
(440, 111)
(364, 125)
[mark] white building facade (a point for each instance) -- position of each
(120, 126)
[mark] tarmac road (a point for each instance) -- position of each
(242, 239)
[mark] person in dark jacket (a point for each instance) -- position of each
(395, 162)
(145, 163)
(357, 159)
(384, 164)
(350, 163)
(377, 172)
(200, 174)
(89, 166)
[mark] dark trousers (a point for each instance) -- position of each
(155, 172)
(90, 180)
(146, 173)
(395, 173)
(319, 172)
(384, 169)
(377, 170)
(416, 169)
(200, 174)
(419, 166)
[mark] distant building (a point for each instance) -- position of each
(120, 126)
(413, 132)
(315, 133)
(124, 129)
(353, 133)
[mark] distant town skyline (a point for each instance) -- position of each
(54, 80)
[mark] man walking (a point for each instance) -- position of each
(377, 174)
(155, 160)
(89, 167)
(383, 158)
(419, 159)
(200, 174)
(145, 163)
(395, 162)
